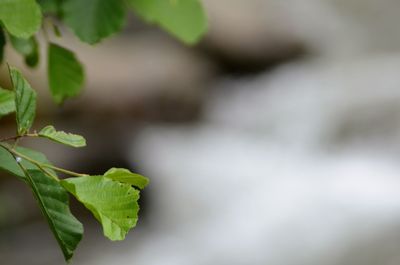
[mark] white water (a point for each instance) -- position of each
(298, 166)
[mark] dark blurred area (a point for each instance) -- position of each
(275, 140)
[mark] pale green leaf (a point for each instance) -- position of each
(21, 18)
(69, 139)
(184, 19)
(7, 102)
(66, 74)
(94, 20)
(113, 204)
(125, 176)
(54, 203)
(25, 101)
(8, 163)
(28, 48)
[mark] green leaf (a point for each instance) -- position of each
(25, 101)
(113, 204)
(2, 44)
(184, 19)
(7, 102)
(69, 139)
(94, 20)
(8, 163)
(50, 6)
(54, 203)
(28, 48)
(125, 176)
(21, 18)
(66, 74)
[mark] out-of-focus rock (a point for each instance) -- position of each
(250, 35)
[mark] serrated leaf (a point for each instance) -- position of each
(28, 48)
(25, 101)
(69, 139)
(184, 19)
(65, 72)
(21, 18)
(125, 176)
(8, 163)
(2, 44)
(113, 204)
(54, 203)
(7, 102)
(95, 20)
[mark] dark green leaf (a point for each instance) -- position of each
(54, 203)
(25, 101)
(7, 102)
(57, 31)
(2, 44)
(69, 139)
(125, 176)
(28, 48)
(184, 19)
(95, 20)
(8, 163)
(21, 18)
(113, 204)
(66, 75)
(50, 6)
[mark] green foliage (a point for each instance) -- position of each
(125, 176)
(113, 204)
(21, 18)
(28, 48)
(66, 74)
(25, 101)
(113, 197)
(7, 104)
(98, 20)
(50, 6)
(2, 44)
(61, 137)
(54, 202)
(183, 18)
(8, 163)
(91, 21)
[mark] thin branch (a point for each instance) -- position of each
(14, 138)
(43, 165)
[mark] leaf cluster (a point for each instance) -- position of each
(112, 197)
(91, 21)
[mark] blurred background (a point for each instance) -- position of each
(276, 140)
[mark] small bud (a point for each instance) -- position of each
(18, 159)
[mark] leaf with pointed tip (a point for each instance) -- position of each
(54, 203)
(25, 101)
(7, 102)
(28, 48)
(96, 21)
(8, 163)
(69, 139)
(125, 176)
(21, 18)
(66, 75)
(184, 19)
(113, 204)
